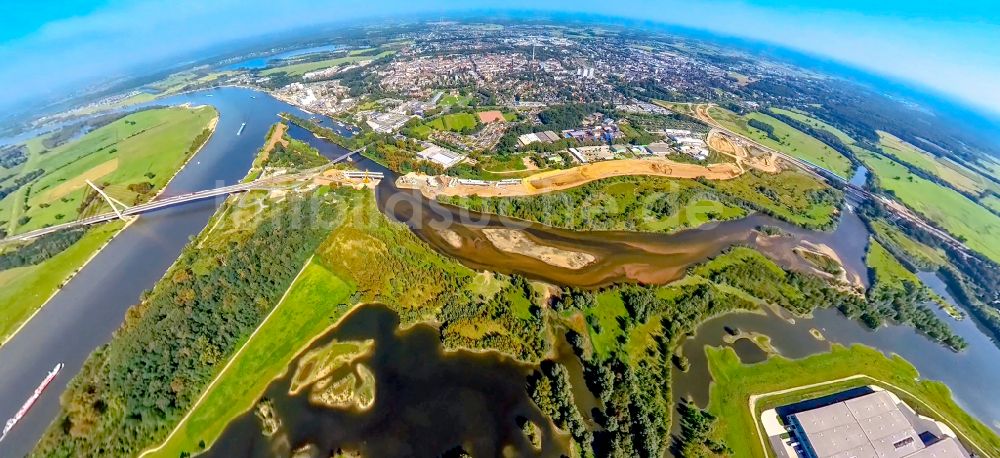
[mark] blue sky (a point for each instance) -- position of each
(949, 47)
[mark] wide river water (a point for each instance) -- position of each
(83, 316)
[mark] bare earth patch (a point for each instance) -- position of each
(80, 181)
(514, 241)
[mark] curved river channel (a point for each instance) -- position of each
(85, 313)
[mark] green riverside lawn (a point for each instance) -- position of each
(145, 147)
(734, 383)
(24, 289)
(315, 301)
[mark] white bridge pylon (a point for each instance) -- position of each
(114, 203)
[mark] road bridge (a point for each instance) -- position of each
(263, 183)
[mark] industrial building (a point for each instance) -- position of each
(870, 425)
(541, 137)
(442, 156)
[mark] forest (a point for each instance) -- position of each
(294, 154)
(39, 250)
(132, 390)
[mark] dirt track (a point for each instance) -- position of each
(735, 148)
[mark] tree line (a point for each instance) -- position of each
(40, 250)
(131, 391)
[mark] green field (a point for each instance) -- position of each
(992, 202)
(954, 212)
(889, 273)
(802, 117)
(306, 67)
(314, 302)
(455, 122)
(144, 147)
(922, 255)
(792, 141)
(734, 383)
(24, 289)
(958, 176)
(455, 100)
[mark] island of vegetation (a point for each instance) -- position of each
(248, 297)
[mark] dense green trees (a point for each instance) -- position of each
(132, 390)
(295, 154)
(697, 428)
(765, 127)
(41, 249)
(551, 390)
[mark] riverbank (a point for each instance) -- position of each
(562, 179)
(740, 393)
(55, 273)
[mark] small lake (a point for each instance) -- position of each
(427, 401)
(973, 375)
(84, 315)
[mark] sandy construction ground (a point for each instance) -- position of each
(740, 150)
(557, 180)
(277, 136)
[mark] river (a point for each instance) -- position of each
(83, 316)
(90, 307)
(257, 63)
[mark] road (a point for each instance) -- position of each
(898, 210)
(177, 200)
(86, 312)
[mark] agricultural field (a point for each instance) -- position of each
(924, 256)
(314, 302)
(23, 290)
(455, 122)
(954, 212)
(134, 156)
(734, 383)
(306, 67)
(957, 175)
(790, 140)
(991, 201)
